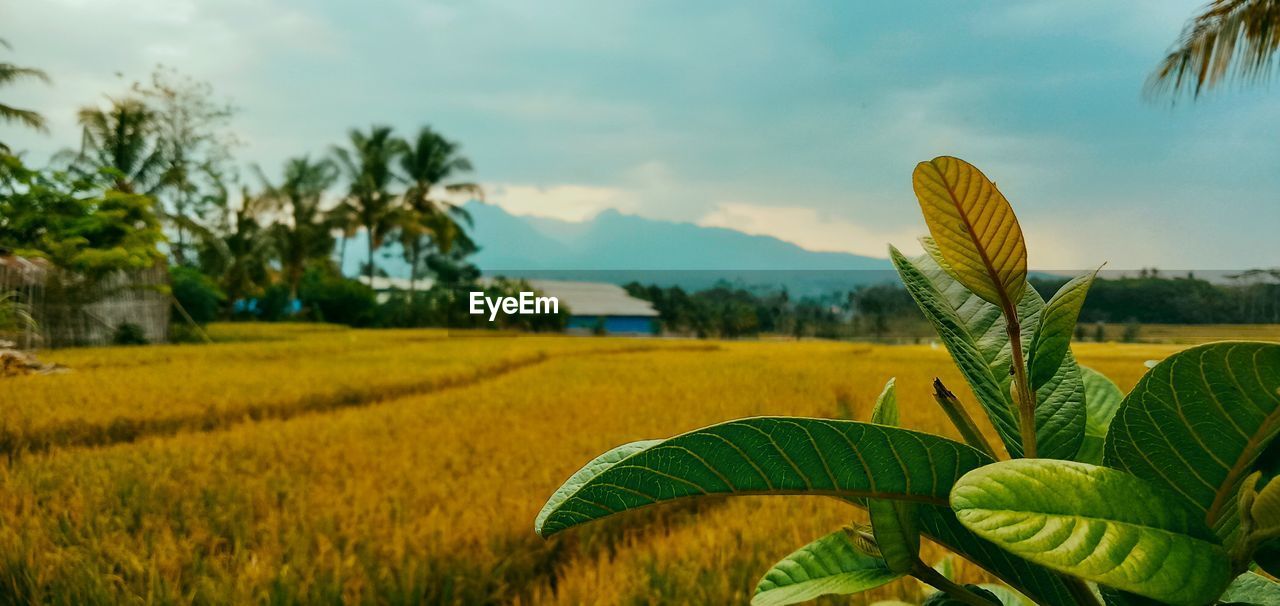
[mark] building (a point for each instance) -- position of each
(68, 310)
(592, 306)
(598, 306)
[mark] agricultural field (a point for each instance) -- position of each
(309, 464)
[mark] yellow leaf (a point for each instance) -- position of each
(974, 227)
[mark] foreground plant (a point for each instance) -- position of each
(1166, 494)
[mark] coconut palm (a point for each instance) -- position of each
(302, 233)
(237, 252)
(431, 163)
(122, 140)
(368, 168)
(1228, 39)
(10, 73)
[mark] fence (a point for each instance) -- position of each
(69, 310)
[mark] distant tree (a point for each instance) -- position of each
(193, 137)
(236, 250)
(10, 73)
(1227, 39)
(121, 142)
(431, 162)
(302, 234)
(368, 168)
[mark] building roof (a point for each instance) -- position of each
(582, 298)
(594, 298)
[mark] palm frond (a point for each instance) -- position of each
(1228, 39)
(24, 116)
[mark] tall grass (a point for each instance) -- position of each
(428, 498)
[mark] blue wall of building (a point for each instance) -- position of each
(615, 324)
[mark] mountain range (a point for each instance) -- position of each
(618, 248)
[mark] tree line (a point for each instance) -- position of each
(154, 180)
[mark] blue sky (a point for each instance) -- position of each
(801, 120)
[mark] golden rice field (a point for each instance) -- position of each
(319, 465)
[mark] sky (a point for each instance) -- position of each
(797, 119)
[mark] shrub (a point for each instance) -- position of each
(128, 333)
(337, 299)
(1166, 494)
(196, 293)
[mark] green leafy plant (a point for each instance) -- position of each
(1165, 494)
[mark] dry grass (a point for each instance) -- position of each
(428, 497)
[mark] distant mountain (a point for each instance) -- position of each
(618, 248)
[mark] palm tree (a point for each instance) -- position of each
(303, 233)
(368, 167)
(1229, 38)
(122, 140)
(432, 162)
(10, 73)
(237, 252)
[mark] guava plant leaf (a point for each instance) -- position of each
(1096, 523)
(766, 455)
(975, 335)
(1197, 423)
(975, 228)
(1007, 596)
(589, 471)
(829, 565)
(939, 598)
(893, 523)
(1267, 557)
(1101, 399)
(1052, 340)
(1265, 510)
(1045, 587)
(1251, 588)
(885, 411)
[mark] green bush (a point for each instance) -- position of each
(128, 333)
(196, 293)
(336, 299)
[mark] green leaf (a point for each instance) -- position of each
(975, 228)
(1007, 596)
(893, 523)
(1265, 510)
(766, 455)
(1057, 324)
(672, 469)
(886, 408)
(1197, 423)
(1267, 557)
(589, 471)
(829, 565)
(975, 335)
(1102, 399)
(1252, 588)
(1096, 523)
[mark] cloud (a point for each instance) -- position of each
(564, 202)
(809, 228)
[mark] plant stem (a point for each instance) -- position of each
(1025, 400)
(960, 418)
(935, 579)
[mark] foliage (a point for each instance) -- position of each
(1175, 515)
(74, 223)
(128, 333)
(10, 73)
(728, 312)
(337, 299)
(197, 293)
(1228, 38)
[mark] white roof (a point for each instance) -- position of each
(594, 298)
(582, 298)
